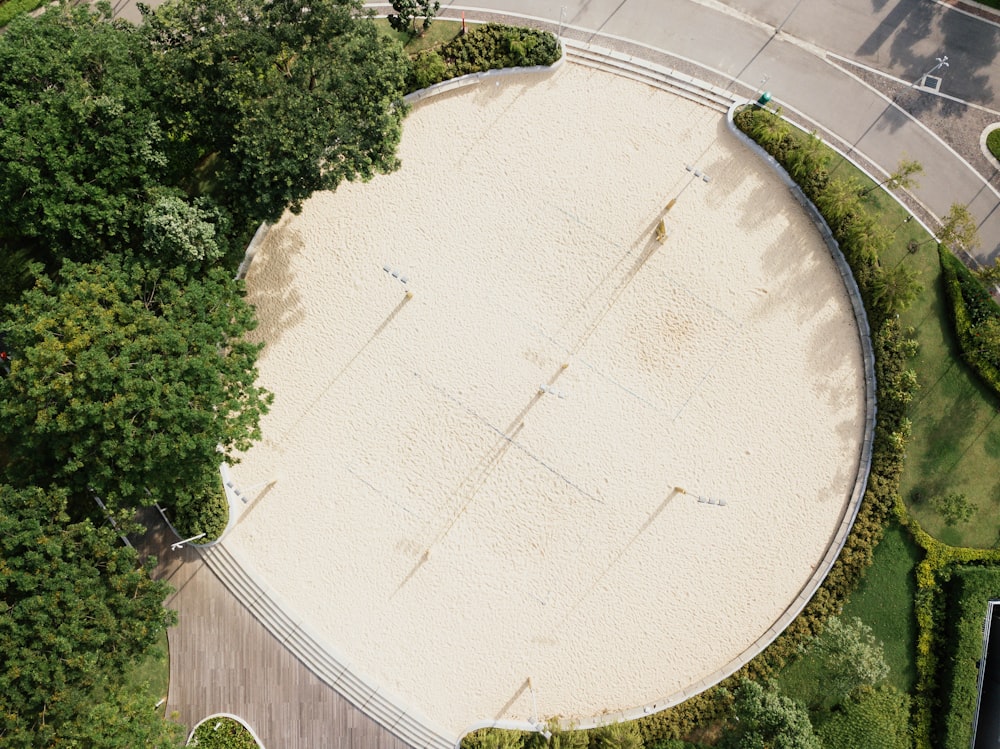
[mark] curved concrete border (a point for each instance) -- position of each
(382, 707)
(237, 718)
(982, 144)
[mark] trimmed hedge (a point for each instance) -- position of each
(491, 46)
(10, 9)
(971, 307)
(970, 589)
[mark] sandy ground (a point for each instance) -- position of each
(453, 530)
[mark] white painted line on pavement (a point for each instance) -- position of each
(921, 125)
(900, 81)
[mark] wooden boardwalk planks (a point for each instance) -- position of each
(223, 661)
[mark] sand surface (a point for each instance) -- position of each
(453, 530)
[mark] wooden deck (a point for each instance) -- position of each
(223, 661)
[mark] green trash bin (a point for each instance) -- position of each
(764, 98)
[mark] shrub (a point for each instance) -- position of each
(871, 718)
(488, 47)
(208, 514)
(223, 733)
(993, 143)
(954, 507)
(974, 315)
(12, 8)
(428, 68)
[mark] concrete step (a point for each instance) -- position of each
(651, 74)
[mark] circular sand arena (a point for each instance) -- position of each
(453, 528)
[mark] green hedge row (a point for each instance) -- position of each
(11, 8)
(934, 650)
(972, 309)
(968, 592)
(488, 47)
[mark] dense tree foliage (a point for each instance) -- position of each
(270, 101)
(76, 609)
(79, 137)
(767, 720)
(127, 381)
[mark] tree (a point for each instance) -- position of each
(407, 12)
(851, 657)
(990, 274)
(80, 143)
(271, 101)
(76, 610)
(765, 719)
(127, 382)
(895, 288)
(840, 203)
(179, 232)
(954, 507)
(903, 176)
(959, 229)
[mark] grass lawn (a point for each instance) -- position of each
(154, 672)
(883, 601)
(955, 444)
(440, 33)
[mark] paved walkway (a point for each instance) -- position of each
(223, 660)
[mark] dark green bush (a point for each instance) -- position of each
(968, 592)
(993, 143)
(972, 312)
(223, 733)
(11, 8)
(428, 68)
(208, 514)
(488, 47)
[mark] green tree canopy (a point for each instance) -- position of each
(851, 656)
(79, 138)
(76, 609)
(127, 381)
(767, 720)
(277, 99)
